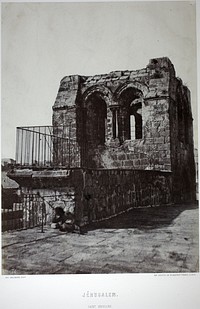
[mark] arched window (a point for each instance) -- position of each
(130, 114)
(135, 120)
(95, 122)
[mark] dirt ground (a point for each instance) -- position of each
(147, 240)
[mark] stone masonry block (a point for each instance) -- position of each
(121, 157)
(159, 140)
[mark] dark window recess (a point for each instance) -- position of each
(96, 120)
(131, 114)
(136, 121)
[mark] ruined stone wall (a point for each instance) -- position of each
(100, 108)
(95, 194)
(182, 147)
(150, 86)
(65, 122)
(107, 193)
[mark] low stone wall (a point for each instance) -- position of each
(107, 193)
(96, 194)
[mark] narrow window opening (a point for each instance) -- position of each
(132, 126)
(136, 121)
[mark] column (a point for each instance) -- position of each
(113, 123)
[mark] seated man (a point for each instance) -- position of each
(64, 221)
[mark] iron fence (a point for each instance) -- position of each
(47, 146)
(31, 212)
(35, 210)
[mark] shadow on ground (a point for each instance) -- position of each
(144, 218)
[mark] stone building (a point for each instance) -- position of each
(118, 140)
(138, 120)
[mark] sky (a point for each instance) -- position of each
(43, 42)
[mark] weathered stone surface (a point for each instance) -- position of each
(162, 120)
(108, 192)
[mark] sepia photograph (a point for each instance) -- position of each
(109, 183)
(99, 139)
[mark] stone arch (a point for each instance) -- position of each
(96, 102)
(129, 97)
(96, 111)
(141, 88)
(104, 92)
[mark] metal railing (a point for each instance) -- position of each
(31, 212)
(47, 146)
(35, 210)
